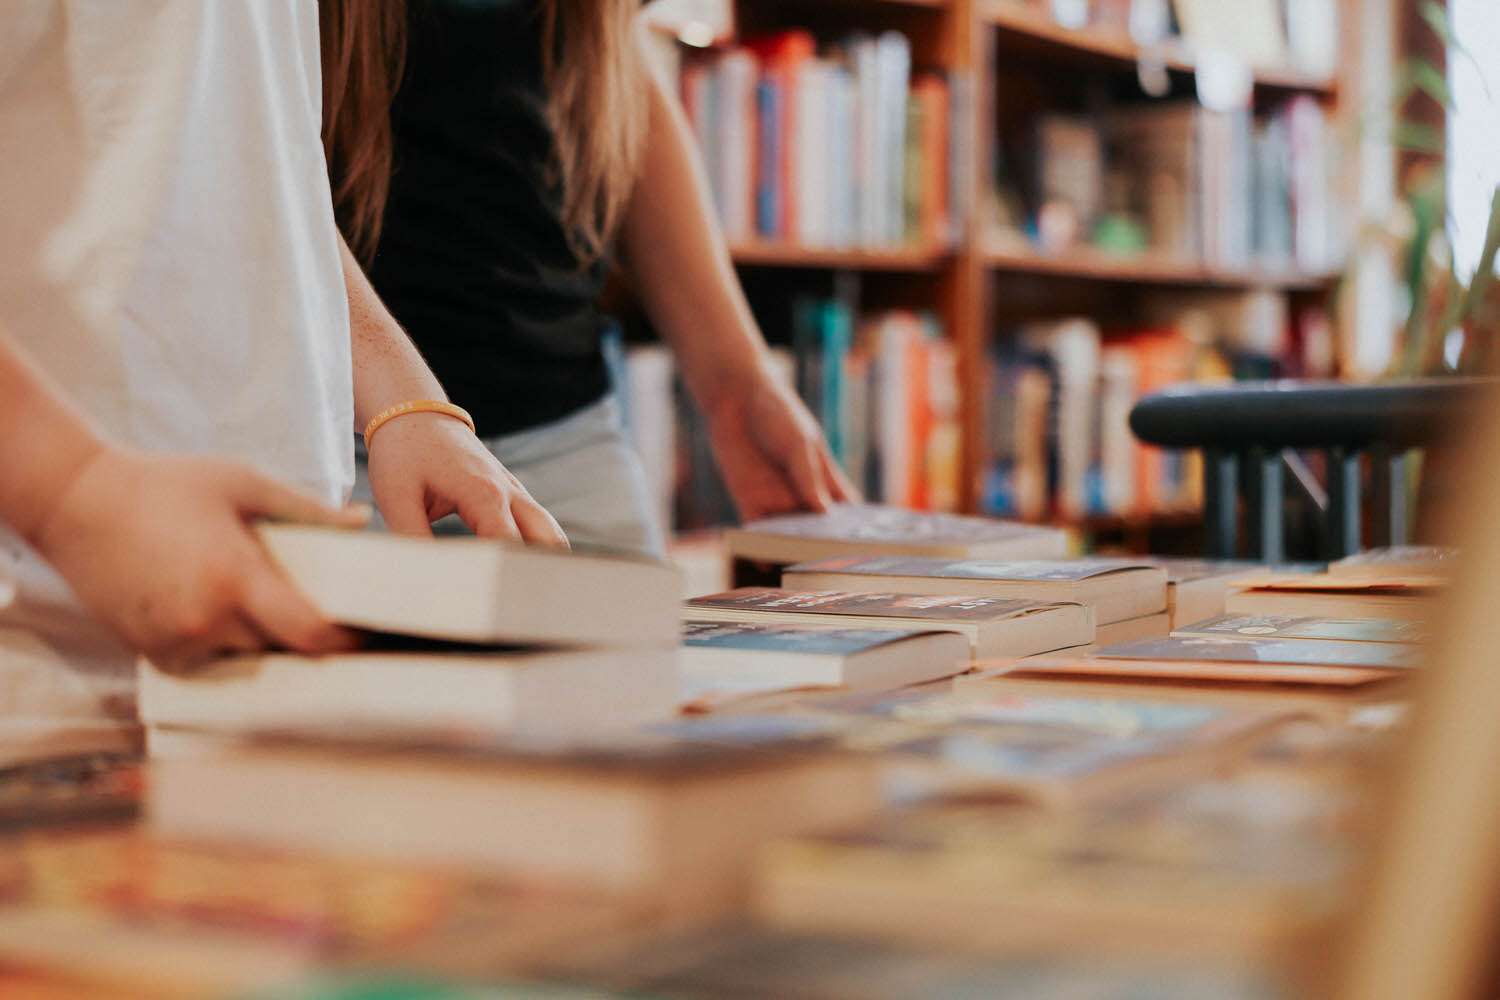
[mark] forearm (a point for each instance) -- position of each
(388, 369)
(675, 254)
(44, 441)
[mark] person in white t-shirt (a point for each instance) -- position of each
(185, 343)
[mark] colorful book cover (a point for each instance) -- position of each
(1313, 652)
(1066, 570)
(930, 607)
(1293, 627)
(788, 638)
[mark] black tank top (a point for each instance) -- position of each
(473, 257)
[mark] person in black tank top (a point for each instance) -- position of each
(475, 260)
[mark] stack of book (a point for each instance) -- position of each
(461, 632)
(1128, 600)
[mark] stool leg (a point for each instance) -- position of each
(1343, 533)
(1264, 503)
(1220, 504)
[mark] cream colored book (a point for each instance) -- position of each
(1196, 587)
(541, 690)
(672, 813)
(870, 529)
(476, 590)
(1131, 628)
(1411, 597)
(994, 626)
(1116, 589)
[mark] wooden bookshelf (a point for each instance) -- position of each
(1013, 62)
(1144, 268)
(767, 254)
(1024, 28)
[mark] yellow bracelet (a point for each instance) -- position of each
(415, 406)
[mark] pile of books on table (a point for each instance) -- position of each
(936, 737)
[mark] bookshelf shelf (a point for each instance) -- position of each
(1144, 268)
(1025, 28)
(768, 254)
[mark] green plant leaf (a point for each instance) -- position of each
(1431, 81)
(1484, 274)
(1418, 137)
(1436, 16)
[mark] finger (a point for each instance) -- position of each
(488, 516)
(839, 486)
(804, 470)
(537, 526)
(227, 637)
(256, 494)
(275, 609)
(404, 513)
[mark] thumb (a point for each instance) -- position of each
(259, 496)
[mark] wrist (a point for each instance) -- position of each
(55, 519)
(731, 385)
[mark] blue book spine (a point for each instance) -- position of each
(768, 172)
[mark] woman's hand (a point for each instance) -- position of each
(771, 451)
(424, 466)
(160, 550)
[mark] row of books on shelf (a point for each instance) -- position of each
(883, 386)
(844, 147)
(465, 800)
(1229, 189)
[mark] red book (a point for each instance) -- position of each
(783, 56)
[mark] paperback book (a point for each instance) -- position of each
(476, 590)
(876, 530)
(747, 655)
(1116, 589)
(994, 626)
(1262, 627)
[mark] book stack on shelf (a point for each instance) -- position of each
(844, 148)
(1175, 182)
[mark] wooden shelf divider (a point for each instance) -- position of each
(1024, 27)
(897, 258)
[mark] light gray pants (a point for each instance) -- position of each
(584, 471)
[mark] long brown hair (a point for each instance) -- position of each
(596, 103)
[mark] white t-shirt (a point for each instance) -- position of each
(167, 246)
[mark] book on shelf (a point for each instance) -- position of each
(840, 145)
(770, 657)
(1196, 587)
(1303, 627)
(417, 687)
(993, 626)
(1117, 589)
(1392, 595)
(668, 814)
(1058, 436)
(881, 530)
(476, 590)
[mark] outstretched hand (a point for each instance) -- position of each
(426, 466)
(771, 451)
